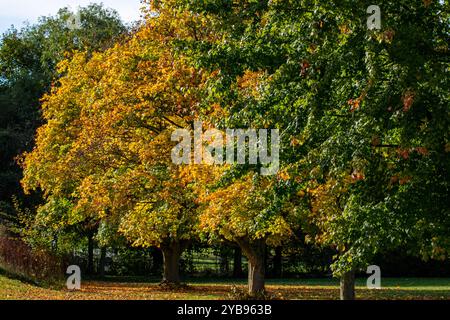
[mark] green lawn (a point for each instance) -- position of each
(393, 288)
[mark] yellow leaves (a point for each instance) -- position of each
(324, 206)
(279, 228)
(107, 140)
(344, 29)
(295, 142)
(316, 171)
(250, 83)
(312, 48)
(94, 196)
(160, 217)
(238, 210)
(284, 175)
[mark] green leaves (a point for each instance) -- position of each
(363, 116)
(360, 110)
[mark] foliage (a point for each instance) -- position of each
(28, 59)
(104, 152)
(364, 114)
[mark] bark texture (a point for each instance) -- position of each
(171, 257)
(347, 288)
(255, 253)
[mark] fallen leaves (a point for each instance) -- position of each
(288, 289)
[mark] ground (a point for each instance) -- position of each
(393, 288)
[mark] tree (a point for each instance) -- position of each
(106, 143)
(381, 132)
(28, 59)
(364, 115)
(244, 210)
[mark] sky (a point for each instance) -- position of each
(17, 11)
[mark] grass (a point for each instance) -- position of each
(208, 289)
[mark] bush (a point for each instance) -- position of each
(20, 260)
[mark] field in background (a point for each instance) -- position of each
(393, 288)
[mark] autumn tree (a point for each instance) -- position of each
(105, 147)
(248, 213)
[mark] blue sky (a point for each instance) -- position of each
(17, 11)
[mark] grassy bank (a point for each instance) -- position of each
(393, 288)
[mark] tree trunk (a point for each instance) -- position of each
(171, 255)
(237, 263)
(348, 286)
(255, 252)
(256, 272)
(102, 262)
(90, 266)
(277, 262)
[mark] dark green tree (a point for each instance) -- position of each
(28, 59)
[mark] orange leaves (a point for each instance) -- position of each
(408, 100)
(106, 144)
(354, 104)
(249, 83)
(304, 68)
(237, 210)
(218, 112)
(295, 142)
(404, 180)
(404, 153)
(357, 175)
(388, 35)
(376, 141)
(283, 175)
(427, 3)
(401, 180)
(394, 179)
(422, 151)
